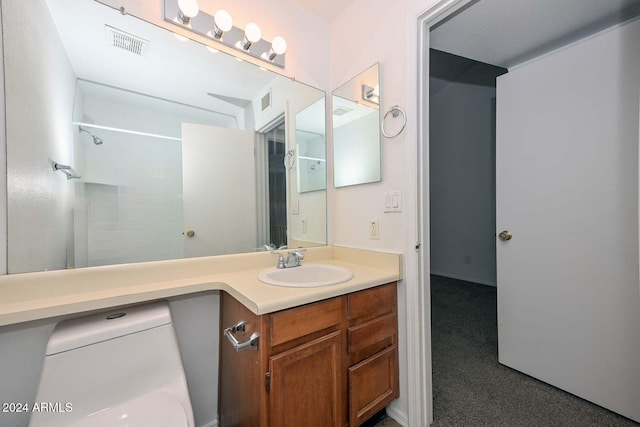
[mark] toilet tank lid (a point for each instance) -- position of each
(84, 331)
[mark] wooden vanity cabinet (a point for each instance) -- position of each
(329, 363)
(305, 365)
(372, 351)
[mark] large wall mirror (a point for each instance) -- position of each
(126, 143)
(356, 129)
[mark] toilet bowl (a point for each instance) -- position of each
(116, 369)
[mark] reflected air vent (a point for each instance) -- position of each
(266, 101)
(341, 111)
(126, 41)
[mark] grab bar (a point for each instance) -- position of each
(250, 344)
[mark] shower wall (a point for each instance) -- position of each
(312, 172)
(132, 205)
(39, 204)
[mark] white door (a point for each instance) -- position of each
(567, 190)
(219, 190)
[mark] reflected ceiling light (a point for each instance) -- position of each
(252, 34)
(222, 23)
(278, 47)
(187, 9)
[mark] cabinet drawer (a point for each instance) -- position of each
(371, 337)
(298, 322)
(373, 384)
(371, 303)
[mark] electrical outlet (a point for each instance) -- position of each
(374, 229)
(304, 226)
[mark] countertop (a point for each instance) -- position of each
(33, 296)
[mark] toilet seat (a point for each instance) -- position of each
(156, 409)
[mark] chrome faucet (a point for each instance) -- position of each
(294, 258)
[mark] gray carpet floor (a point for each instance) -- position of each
(470, 387)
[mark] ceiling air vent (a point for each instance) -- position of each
(126, 41)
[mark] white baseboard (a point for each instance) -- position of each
(465, 278)
(398, 415)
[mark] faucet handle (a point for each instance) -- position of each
(295, 257)
(281, 261)
(299, 253)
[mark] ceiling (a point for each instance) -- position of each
(184, 72)
(326, 9)
(508, 32)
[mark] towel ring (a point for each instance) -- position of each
(395, 111)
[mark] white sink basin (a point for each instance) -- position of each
(305, 276)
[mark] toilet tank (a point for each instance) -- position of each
(100, 361)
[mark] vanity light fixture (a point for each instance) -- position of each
(187, 9)
(219, 27)
(371, 94)
(222, 23)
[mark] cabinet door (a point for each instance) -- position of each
(306, 384)
(373, 384)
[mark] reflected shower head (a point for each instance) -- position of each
(96, 140)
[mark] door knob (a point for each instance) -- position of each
(505, 235)
(190, 233)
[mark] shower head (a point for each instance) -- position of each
(96, 140)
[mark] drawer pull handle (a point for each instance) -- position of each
(250, 344)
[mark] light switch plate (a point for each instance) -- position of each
(393, 201)
(295, 207)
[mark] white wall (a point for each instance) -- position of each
(40, 207)
(354, 160)
(462, 176)
(197, 322)
(395, 47)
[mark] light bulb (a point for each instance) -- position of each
(223, 20)
(188, 9)
(252, 32)
(279, 45)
